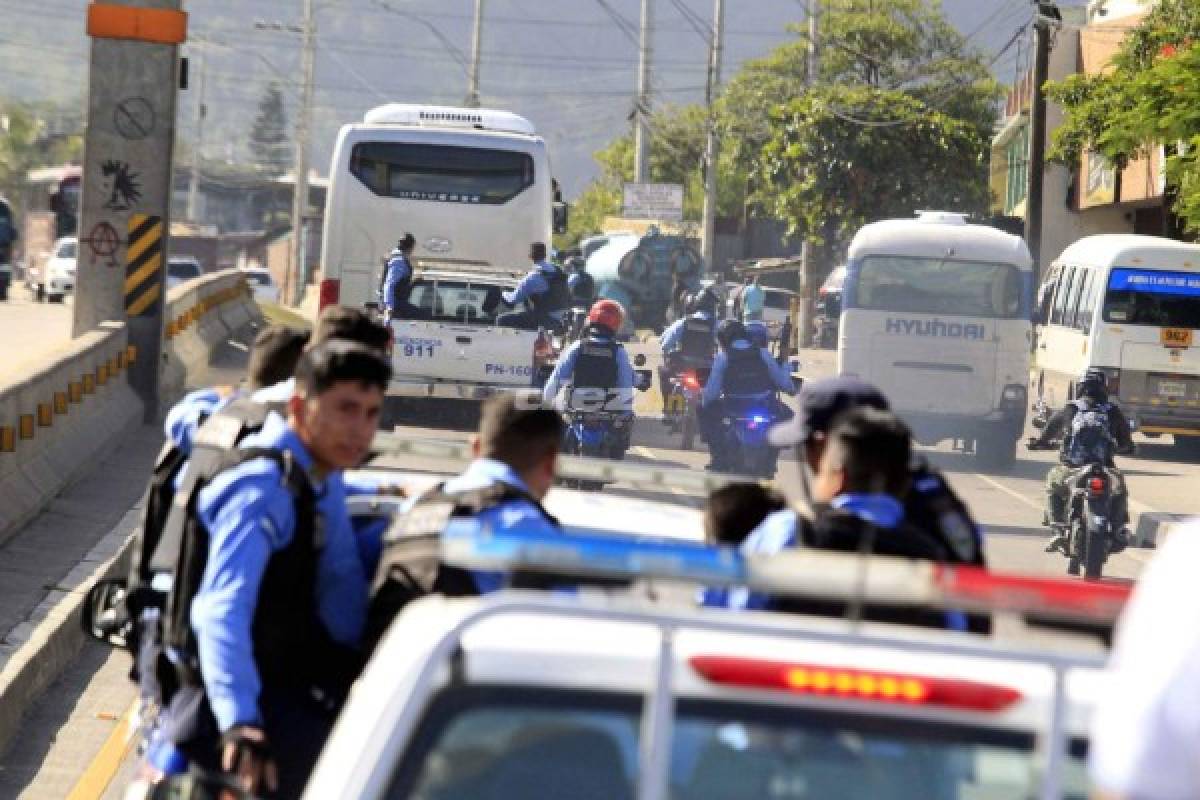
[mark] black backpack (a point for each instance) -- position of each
(411, 567)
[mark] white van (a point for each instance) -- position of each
(1129, 305)
(936, 313)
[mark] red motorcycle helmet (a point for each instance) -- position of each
(608, 314)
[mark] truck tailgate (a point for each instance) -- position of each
(478, 354)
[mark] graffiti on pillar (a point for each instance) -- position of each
(122, 185)
(102, 241)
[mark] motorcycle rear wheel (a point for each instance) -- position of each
(1095, 553)
(689, 429)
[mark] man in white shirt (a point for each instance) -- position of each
(1146, 731)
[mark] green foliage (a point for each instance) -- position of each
(25, 146)
(829, 175)
(900, 119)
(270, 139)
(1150, 97)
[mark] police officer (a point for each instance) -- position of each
(740, 369)
(398, 280)
(690, 342)
(279, 612)
(1089, 426)
(597, 365)
(581, 283)
(545, 288)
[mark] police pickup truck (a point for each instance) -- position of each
(456, 351)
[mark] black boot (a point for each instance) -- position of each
(1059, 543)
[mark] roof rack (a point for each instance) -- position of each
(817, 574)
(575, 468)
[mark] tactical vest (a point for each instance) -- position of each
(582, 286)
(747, 373)
(410, 565)
(596, 364)
(696, 341)
(557, 296)
(1090, 439)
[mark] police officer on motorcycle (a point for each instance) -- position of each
(597, 365)
(1092, 428)
(581, 284)
(741, 369)
(690, 342)
(545, 288)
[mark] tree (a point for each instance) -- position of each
(900, 119)
(270, 139)
(25, 145)
(1150, 97)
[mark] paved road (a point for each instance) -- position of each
(29, 328)
(73, 723)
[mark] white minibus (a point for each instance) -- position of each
(1129, 305)
(936, 313)
(472, 185)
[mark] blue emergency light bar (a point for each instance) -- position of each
(466, 543)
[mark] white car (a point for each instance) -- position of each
(614, 695)
(181, 269)
(57, 277)
(260, 280)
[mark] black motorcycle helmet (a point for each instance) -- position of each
(729, 331)
(1093, 384)
(704, 301)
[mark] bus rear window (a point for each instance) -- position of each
(441, 173)
(939, 286)
(1153, 297)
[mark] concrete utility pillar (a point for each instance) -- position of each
(128, 150)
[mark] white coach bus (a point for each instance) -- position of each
(1129, 305)
(473, 186)
(936, 313)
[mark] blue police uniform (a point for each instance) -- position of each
(564, 370)
(715, 386)
(670, 339)
(250, 515)
(396, 286)
(186, 416)
(535, 288)
(509, 517)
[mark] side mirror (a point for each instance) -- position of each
(561, 217)
(105, 614)
(639, 360)
(645, 379)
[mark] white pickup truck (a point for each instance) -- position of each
(456, 351)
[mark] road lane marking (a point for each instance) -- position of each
(104, 767)
(1010, 492)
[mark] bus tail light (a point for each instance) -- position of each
(853, 683)
(331, 293)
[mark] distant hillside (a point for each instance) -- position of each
(565, 64)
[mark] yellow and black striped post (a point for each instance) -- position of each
(143, 265)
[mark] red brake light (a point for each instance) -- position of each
(855, 684)
(543, 348)
(331, 293)
(690, 380)
(1096, 485)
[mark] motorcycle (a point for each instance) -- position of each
(594, 429)
(683, 399)
(747, 420)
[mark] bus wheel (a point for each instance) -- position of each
(996, 449)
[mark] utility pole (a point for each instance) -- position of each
(198, 142)
(476, 50)
(641, 136)
(125, 209)
(293, 287)
(808, 264)
(1048, 17)
(711, 146)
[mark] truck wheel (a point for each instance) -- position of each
(390, 415)
(1187, 446)
(996, 449)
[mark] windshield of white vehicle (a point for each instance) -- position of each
(938, 286)
(1153, 297)
(68, 249)
(442, 173)
(457, 301)
(258, 278)
(497, 742)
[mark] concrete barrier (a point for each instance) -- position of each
(56, 420)
(1153, 528)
